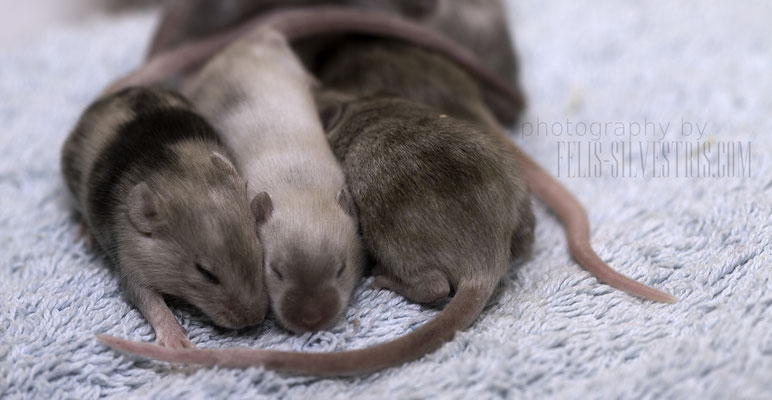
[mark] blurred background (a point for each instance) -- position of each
(20, 20)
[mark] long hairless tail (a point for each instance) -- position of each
(305, 22)
(577, 227)
(173, 16)
(463, 309)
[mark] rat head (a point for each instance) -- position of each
(192, 235)
(313, 257)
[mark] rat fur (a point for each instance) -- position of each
(161, 198)
(258, 95)
(442, 209)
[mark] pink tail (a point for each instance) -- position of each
(462, 310)
(574, 218)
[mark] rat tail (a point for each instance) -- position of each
(298, 23)
(577, 227)
(461, 311)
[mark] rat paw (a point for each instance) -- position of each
(84, 232)
(381, 282)
(177, 340)
(176, 343)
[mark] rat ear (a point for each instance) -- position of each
(262, 207)
(144, 213)
(346, 202)
(331, 115)
(222, 162)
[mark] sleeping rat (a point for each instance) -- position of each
(478, 25)
(258, 96)
(442, 209)
(371, 67)
(160, 197)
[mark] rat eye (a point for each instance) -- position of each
(208, 275)
(277, 273)
(341, 269)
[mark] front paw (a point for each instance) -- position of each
(176, 339)
(381, 282)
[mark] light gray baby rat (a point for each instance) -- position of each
(161, 198)
(258, 95)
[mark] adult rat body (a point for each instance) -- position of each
(159, 195)
(307, 22)
(258, 96)
(478, 25)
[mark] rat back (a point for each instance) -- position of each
(432, 194)
(258, 95)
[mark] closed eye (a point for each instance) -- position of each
(277, 273)
(208, 275)
(342, 268)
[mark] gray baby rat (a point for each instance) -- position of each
(159, 195)
(442, 209)
(258, 95)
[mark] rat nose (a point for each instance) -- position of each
(311, 321)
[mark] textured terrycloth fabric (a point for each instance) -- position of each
(552, 330)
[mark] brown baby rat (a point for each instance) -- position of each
(159, 195)
(375, 66)
(442, 209)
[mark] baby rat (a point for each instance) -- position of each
(258, 96)
(158, 194)
(478, 25)
(310, 21)
(442, 209)
(372, 67)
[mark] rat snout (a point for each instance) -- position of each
(254, 313)
(241, 314)
(311, 320)
(310, 312)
